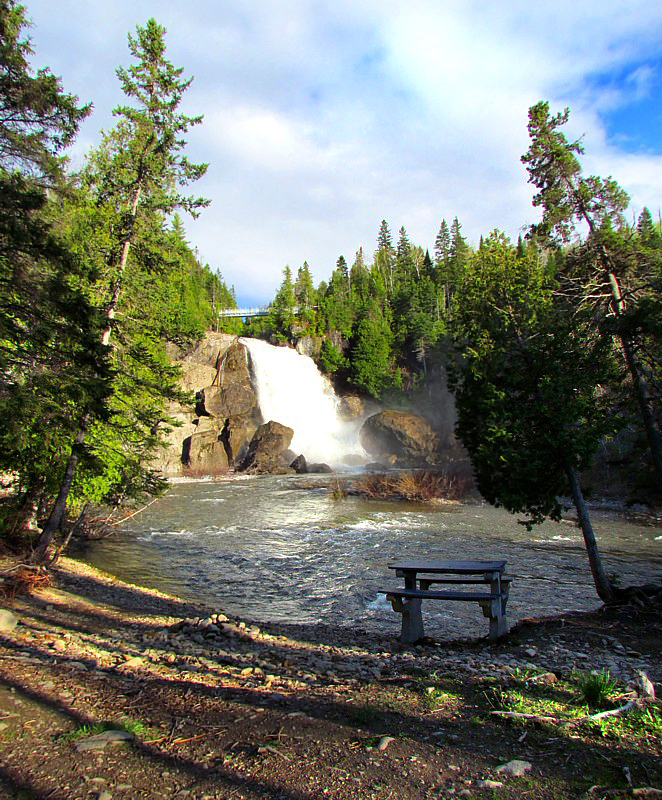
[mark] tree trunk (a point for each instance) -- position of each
(24, 523)
(126, 246)
(60, 505)
(602, 583)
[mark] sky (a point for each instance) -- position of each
(322, 119)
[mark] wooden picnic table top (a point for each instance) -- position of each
(450, 567)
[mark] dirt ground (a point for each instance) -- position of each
(219, 708)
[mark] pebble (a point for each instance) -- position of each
(489, 784)
(8, 621)
(100, 740)
(515, 768)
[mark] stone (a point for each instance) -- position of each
(270, 441)
(235, 437)
(204, 452)
(231, 393)
(300, 465)
(132, 662)
(489, 784)
(400, 437)
(515, 768)
(101, 740)
(320, 469)
(8, 621)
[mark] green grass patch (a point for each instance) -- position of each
(598, 689)
(132, 726)
(565, 704)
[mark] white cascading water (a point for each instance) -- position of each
(291, 390)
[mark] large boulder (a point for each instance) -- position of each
(231, 392)
(235, 437)
(401, 438)
(200, 365)
(204, 454)
(267, 449)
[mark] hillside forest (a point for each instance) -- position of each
(551, 344)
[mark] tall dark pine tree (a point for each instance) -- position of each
(49, 355)
(137, 173)
(567, 198)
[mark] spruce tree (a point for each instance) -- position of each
(135, 176)
(603, 263)
(50, 358)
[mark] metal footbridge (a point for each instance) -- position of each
(260, 311)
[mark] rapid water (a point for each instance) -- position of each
(267, 549)
(291, 390)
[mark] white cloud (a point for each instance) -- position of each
(322, 119)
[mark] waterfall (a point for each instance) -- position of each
(291, 390)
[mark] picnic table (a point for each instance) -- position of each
(491, 592)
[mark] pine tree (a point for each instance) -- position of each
(135, 176)
(50, 358)
(567, 199)
(442, 245)
(384, 260)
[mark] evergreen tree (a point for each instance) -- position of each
(135, 176)
(526, 389)
(50, 357)
(649, 235)
(604, 262)
(305, 295)
(371, 368)
(442, 245)
(282, 308)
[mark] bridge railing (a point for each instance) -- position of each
(260, 311)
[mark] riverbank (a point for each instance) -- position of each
(215, 707)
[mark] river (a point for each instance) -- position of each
(279, 549)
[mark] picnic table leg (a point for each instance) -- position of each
(412, 621)
(496, 609)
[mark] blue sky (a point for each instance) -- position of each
(322, 119)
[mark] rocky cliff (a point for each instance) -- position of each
(215, 430)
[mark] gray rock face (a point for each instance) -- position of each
(300, 465)
(307, 346)
(215, 434)
(265, 452)
(231, 393)
(401, 438)
(235, 437)
(204, 452)
(319, 469)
